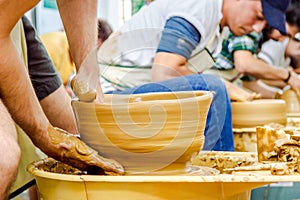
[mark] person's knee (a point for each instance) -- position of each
(9, 160)
(213, 81)
(10, 152)
(12, 155)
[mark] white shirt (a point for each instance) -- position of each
(140, 36)
(273, 52)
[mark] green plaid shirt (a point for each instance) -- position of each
(250, 42)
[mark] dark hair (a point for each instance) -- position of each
(104, 29)
(293, 13)
(266, 32)
(292, 18)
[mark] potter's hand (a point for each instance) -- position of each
(85, 92)
(238, 94)
(74, 152)
(86, 83)
(294, 82)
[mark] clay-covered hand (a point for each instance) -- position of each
(238, 94)
(76, 153)
(82, 90)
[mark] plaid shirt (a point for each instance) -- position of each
(250, 42)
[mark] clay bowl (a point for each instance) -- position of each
(258, 112)
(146, 132)
(292, 102)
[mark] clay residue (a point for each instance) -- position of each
(266, 137)
(277, 145)
(51, 165)
(225, 160)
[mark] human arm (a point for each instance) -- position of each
(46, 82)
(17, 92)
(15, 88)
(19, 97)
(260, 87)
(246, 63)
(274, 83)
(82, 38)
(293, 52)
(179, 39)
(238, 94)
(169, 65)
(56, 105)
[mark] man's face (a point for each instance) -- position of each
(292, 30)
(246, 16)
(276, 35)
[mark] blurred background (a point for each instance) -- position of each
(46, 18)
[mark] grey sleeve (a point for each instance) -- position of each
(42, 72)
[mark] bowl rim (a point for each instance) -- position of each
(259, 102)
(205, 95)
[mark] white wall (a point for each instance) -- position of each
(109, 10)
(114, 11)
(47, 20)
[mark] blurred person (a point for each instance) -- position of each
(104, 31)
(285, 53)
(52, 97)
(238, 59)
(151, 52)
(20, 105)
(57, 47)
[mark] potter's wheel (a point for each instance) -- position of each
(258, 112)
(158, 187)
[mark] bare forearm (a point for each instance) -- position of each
(57, 107)
(275, 83)
(246, 63)
(261, 69)
(80, 23)
(168, 65)
(18, 8)
(80, 19)
(17, 93)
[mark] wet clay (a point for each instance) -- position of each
(224, 160)
(279, 146)
(51, 165)
(146, 132)
(266, 137)
(83, 91)
(76, 153)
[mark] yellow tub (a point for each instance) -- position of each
(55, 186)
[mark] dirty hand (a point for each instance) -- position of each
(86, 83)
(85, 92)
(238, 94)
(294, 82)
(74, 152)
